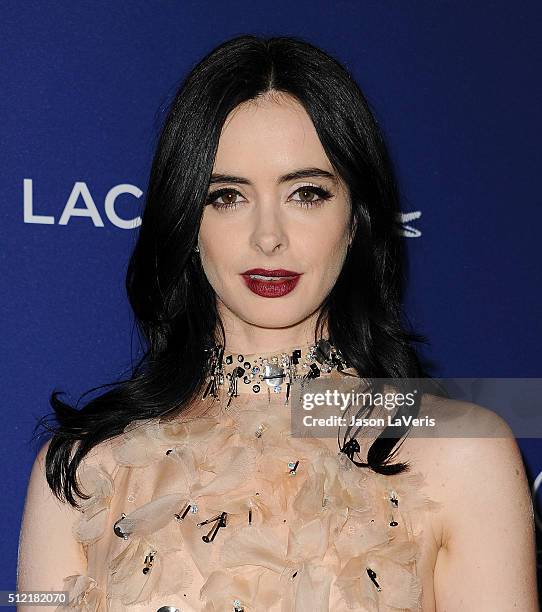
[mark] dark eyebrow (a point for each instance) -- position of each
(291, 176)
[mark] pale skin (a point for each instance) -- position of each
(478, 551)
(271, 225)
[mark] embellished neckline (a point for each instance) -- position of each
(215, 498)
(271, 371)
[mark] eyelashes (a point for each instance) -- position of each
(321, 195)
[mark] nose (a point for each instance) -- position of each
(268, 235)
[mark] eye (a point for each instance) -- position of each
(227, 195)
(311, 195)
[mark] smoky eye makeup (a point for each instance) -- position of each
(306, 196)
(215, 195)
(317, 195)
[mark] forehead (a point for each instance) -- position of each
(269, 135)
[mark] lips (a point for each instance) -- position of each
(280, 273)
(270, 283)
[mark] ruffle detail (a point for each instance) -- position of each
(328, 536)
(83, 594)
(97, 483)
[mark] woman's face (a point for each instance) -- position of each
(275, 203)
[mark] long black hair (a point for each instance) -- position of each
(173, 303)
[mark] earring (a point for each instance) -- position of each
(196, 249)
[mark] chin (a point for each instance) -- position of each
(275, 317)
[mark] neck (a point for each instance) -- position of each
(260, 371)
(266, 348)
(267, 344)
(241, 337)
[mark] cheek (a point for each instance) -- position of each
(219, 246)
(219, 230)
(327, 247)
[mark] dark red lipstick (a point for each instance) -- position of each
(270, 283)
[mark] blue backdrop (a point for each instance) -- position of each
(455, 87)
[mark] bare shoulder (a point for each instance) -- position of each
(467, 445)
(485, 526)
(47, 551)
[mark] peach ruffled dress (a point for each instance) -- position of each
(291, 524)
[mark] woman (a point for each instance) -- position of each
(268, 256)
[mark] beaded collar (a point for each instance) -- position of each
(273, 372)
